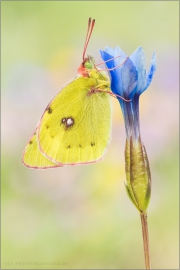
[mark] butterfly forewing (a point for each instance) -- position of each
(75, 127)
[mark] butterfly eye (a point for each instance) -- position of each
(88, 65)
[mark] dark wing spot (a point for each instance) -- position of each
(47, 126)
(30, 142)
(79, 146)
(68, 122)
(92, 144)
(49, 110)
(69, 146)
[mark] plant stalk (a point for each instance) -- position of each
(144, 224)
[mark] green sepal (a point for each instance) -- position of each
(130, 196)
(147, 197)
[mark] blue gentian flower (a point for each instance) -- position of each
(129, 80)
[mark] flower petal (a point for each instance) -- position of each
(151, 72)
(106, 56)
(139, 60)
(124, 78)
(115, 74)
(129, 79)
(117, 52)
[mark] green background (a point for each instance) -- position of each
(81, 216)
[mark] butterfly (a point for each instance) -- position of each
(75, 127)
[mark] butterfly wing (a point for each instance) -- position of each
(75, 127)
(33, 158)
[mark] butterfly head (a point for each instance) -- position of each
(86, 66)
(88, 62)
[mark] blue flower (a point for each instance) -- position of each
(129, 80)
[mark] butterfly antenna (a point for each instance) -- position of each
(84, 50)
(88, 35)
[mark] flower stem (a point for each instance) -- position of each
(144, 224)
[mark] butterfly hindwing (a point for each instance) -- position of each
(32, 156)
(75, 127)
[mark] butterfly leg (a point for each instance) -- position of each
(103, 84)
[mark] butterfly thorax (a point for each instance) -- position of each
(88, 69)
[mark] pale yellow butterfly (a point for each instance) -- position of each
(75, 128)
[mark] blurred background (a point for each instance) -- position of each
(80, 217)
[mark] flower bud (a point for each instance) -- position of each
(138, 185)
